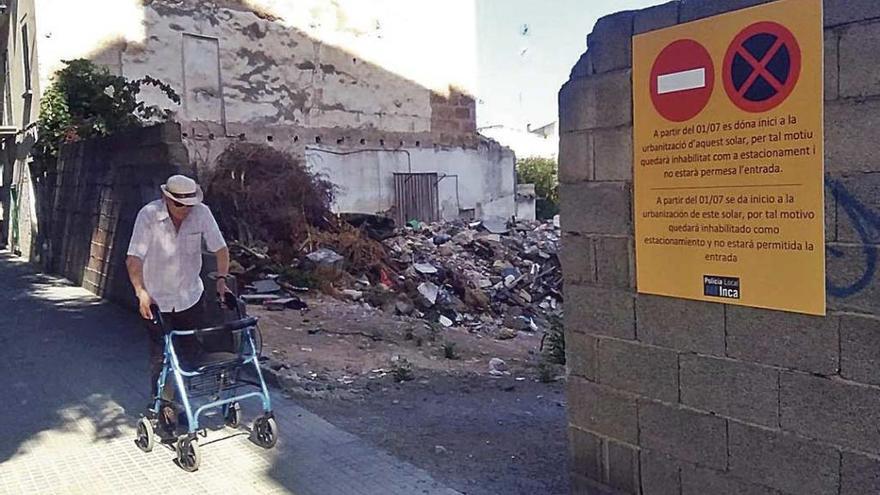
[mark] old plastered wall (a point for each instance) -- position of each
(244, 65)
(346, 75)
(668, 396)
(21, 87)
(482, 179)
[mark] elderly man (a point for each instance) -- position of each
(164, 262)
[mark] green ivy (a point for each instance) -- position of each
(84, 100)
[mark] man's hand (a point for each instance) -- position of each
(144, 302)
(222, 289)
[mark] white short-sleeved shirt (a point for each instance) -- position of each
(173, 260)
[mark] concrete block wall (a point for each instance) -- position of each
(669, 396)
(100, 186)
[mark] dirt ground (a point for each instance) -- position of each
(425, 393)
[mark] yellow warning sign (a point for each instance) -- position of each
(728, 158)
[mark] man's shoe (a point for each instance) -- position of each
(167, 421)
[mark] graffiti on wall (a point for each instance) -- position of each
(866, 224)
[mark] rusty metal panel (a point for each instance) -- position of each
(416, 197)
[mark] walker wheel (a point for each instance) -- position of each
(188, 456)
(145, 436)
(233, 415)
(265, 432)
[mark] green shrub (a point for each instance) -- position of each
(84, 100)
(542, 172)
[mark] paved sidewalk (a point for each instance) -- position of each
(73, 371)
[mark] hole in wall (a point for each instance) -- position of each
(211, 136)
(363, 141)
(418, 143)
(270, 138)
(318, 139)
(340, 140)
(295, 138)
(381, 142)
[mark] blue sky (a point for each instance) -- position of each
(519, 75)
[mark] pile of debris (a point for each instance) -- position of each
(498, 275)
(477, 273)
(286, 241)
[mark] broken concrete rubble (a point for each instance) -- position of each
(452, 274)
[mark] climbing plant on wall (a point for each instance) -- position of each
(85, 100)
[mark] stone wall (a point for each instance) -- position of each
(669, 396)
(100, 186)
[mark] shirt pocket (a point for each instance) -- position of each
(192, 243)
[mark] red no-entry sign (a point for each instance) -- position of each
(682, 79)
(762, 66)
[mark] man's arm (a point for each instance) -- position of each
(137, 252)
(217, 245)
(135, 268)
(222, 270)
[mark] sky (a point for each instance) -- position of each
(525, 51)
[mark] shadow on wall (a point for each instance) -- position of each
(88, 205)
(245, 75)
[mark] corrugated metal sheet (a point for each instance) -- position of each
(416, 197)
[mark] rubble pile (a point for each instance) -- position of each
(477, 273)
(285, 241)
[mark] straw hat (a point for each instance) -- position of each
(182, 189)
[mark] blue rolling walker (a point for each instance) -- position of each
(213, 374)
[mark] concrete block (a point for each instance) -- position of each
(782, 461)
(575, 157)
(691, 10)
(859, 474)
(614, 262)
(830, 216)
(694, 326)
(586, 453)
(596, 208)
(696, 480)
(838, 12)
(851, 129)
(583, 67)
(859, 342)
(623, 467)
(577, 256)
(581, 485)
(802, 342)
(851, 279)
(613, 154)
(604, 100)
(610, 43)
(743, 391)
(647, 371)
(657, 17)
(858, 200)
(598, 311)
(841, 413)
(581, 355)
(860, 60)
(601, 410)
(683, 434)
(660, 473)
(832, 69)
